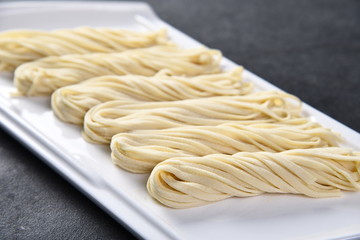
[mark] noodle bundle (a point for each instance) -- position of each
(140, 151)
(107, 119)
(45, 75)
(194, 181)
(71, 103)
(20, 46)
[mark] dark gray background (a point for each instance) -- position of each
(308, 48)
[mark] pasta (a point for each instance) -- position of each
(71, 103)
(20, 46)
(140, 151)
(43, 76)
(107, 119)
(203, 138)
(194, 181)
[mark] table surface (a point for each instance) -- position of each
(308, 48)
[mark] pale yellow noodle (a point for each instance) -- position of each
(20, 46)
(43, 76)
(107, 119)
(194, 181)
(140, 151)
(71, 103)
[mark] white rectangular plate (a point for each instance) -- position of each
(123, 194)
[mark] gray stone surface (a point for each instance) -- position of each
(308, 48)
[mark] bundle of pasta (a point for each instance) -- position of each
(193, 181)
(107, 119)
(45, 75)
(20, 46)
(140, 151)
(71, 103)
